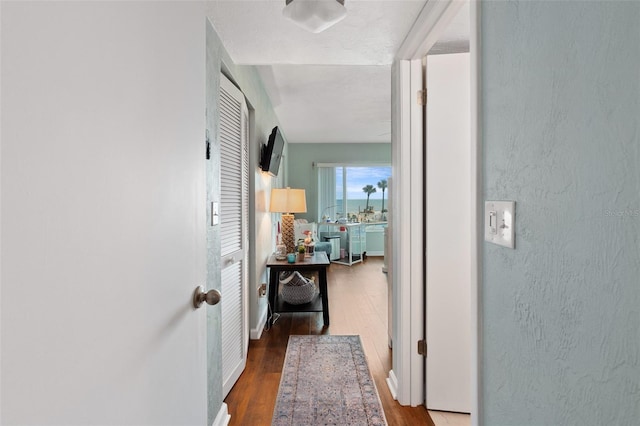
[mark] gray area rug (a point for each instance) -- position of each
(326, 381)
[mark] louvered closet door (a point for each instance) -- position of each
(234, 178)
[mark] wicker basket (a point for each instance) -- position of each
(296, 289)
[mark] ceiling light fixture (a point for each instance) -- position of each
(315, 15)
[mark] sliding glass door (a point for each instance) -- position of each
(352, 193)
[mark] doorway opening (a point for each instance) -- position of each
(407, 377)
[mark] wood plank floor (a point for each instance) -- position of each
(358, 305)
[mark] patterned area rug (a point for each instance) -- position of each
(326, 381)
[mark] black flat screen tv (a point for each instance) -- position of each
(272, 153)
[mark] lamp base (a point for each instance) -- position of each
(288, 234)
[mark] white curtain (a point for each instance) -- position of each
(326, 192)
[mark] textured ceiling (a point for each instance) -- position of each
(256, 33)
(331, 103)
(334, 86)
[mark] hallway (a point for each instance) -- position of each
(358, 305)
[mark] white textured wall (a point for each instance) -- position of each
(561, 99)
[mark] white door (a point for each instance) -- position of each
(448, 363)
(234, 214)
(103, 219)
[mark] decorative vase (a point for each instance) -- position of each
(281, 252)
(301, 257)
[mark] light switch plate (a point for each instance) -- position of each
(215, 213)
(499, 222)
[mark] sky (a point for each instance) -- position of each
(359, 177)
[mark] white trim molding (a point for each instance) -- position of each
(425, 32)
(223, 418)
(477, 220)
(406, 222)
(392, 383)
(415, 243)
(256, 333)
(353, 163)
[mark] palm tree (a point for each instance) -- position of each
(369, 189)
(383, 186)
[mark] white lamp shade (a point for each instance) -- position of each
(315, 15)
(288, 200)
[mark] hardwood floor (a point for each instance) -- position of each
(358, 305)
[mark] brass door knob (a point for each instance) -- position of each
(212, 297)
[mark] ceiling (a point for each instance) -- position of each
(331, 87)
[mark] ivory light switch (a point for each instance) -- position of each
(499, 222)
(215, 213)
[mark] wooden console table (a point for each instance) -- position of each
(318, 262)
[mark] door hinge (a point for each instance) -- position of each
(422, 97)
(422, 348)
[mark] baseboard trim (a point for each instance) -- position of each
(223, 417)
(255, 333)
(392, 384)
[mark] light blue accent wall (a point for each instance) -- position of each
(262, 119)
(302, 174)
(561, 312)
(214, 343)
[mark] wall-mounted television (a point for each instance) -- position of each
(272, 153)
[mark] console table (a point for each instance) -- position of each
(318, 262)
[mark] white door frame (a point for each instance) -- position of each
(406, 223)
(406, 378)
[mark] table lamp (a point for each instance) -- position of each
(288, 201)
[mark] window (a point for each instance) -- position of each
(352, 193)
